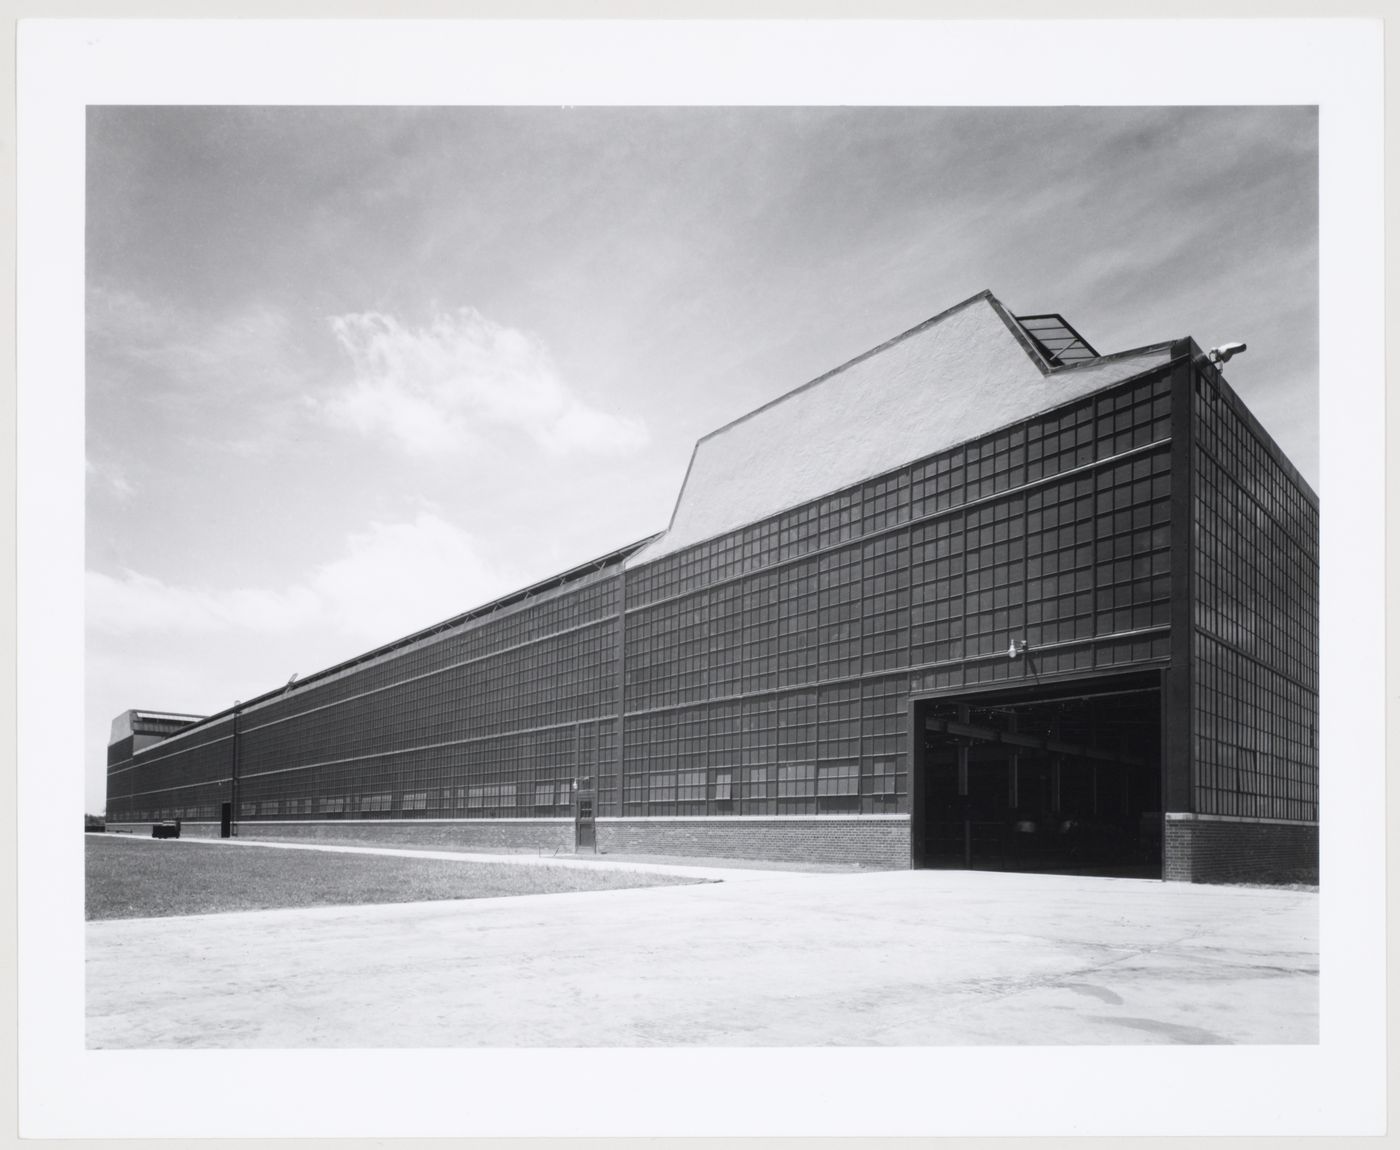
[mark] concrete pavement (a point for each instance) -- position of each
(885, 958)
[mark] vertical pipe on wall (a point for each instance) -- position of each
(620, 654)
(918, 822)
(233, 775)
(1177, 759)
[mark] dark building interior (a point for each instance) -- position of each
(1063, 779)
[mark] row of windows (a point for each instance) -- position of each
(1266, 608)
(764, 790)
(158, 771)
(1113, 422)
(516, 630)
(499, 776)
(872, 786)
(773, 730)
(1254, 536)
(1255, 738)
(957, 587)
(725, 682)
(862, 722)
(557, 683)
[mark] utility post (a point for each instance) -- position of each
(233, 788)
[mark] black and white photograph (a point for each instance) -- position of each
(736, 577)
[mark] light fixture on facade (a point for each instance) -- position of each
(1017, 649)
(1223, 353)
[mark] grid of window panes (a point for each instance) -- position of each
(494, 719)
(1255, 641)
(804, 630)
(552, 683)
(185, 779)
(766, 672)
(518, 775)
(1109, 423)
(578, 605)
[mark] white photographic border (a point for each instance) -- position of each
(1335, 1086)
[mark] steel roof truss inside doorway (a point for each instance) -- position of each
(1056, 779)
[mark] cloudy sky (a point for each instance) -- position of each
(353, 370)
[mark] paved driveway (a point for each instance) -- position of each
(759, 959)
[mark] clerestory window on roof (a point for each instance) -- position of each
(1057, 341)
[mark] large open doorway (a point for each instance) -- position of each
(1063, 778)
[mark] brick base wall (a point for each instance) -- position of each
(872, 842)
(487, 834)
(1217, 850)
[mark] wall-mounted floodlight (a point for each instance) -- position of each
(1225, 351)
(1017, 649)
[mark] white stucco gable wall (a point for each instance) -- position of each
(961, 375)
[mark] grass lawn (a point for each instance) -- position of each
(143, 878)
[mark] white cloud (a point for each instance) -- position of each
(392, 579)
(462, 377)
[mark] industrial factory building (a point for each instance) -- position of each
(981, 597)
